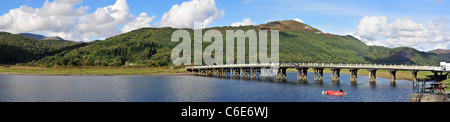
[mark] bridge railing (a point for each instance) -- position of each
(359, 65)
(324, 65)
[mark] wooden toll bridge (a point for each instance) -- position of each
(267, 71)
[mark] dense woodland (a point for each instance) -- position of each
(152, 47)
(20, 49)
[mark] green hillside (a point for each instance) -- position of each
(19, 49)
(298, 43)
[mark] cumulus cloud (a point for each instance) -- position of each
(103, 22)
(142, 21)
(184, 15)
(246, 21)
(61, 18)
(298, 20)
(375, 30)
(53, 16)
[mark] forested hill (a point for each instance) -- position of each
(18, 49)
(299, 42)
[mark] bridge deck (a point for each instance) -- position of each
(323, 65)
(256, 71)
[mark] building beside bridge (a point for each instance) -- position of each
(444, 60)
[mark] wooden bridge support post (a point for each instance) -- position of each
(353, 75)
(270, 74)
(258, 73)
(237, 72)
(222, 73)
(230, 73)
(281, 74)
(315, 75)
(393, 75)
(335, 75)
(321, 74)
(414, 74)
(302, 73)
(305, 74)
(318, 74)
(241, 73)
(247, 73)
(204, 73)
(299, 74)
(264, 73)
(372, 75)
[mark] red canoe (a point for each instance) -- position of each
(336, 93)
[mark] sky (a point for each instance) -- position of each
(421, 24)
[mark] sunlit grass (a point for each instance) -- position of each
(88, 70)
(407, 75)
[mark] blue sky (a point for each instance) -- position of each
(331, 16)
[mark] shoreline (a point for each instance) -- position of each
(401, 75)
(153, 71)
(55, 74)
(91, 71)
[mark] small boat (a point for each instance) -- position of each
(334, 93)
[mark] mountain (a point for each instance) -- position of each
(30, 35)
(403, 55)
(41, 37)
(299, 42)
(439, 51)
(20, 49)
(57, 38)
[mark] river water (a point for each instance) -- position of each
(186, 88)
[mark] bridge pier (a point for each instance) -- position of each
(335, 75)
(302, 74)
(203, 72)
(414, 74)
(269, 75)
(318, 74)
(255, 74)
(222, 73)
(247, 74)
(372, 75)
(392, 75)
(241, 73)
(353, 75)
(281, 74)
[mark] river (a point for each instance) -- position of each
(186, 88)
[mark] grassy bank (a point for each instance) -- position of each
(446, 83)
(406, 75)
(89, 70)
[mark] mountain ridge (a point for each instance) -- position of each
(41, 37)
(439, 51)
(299, 42)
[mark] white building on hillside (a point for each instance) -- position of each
(444, 60)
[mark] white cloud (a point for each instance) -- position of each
(375, 30)
(61, 18)
(246, 21)
(142, 21)
(103, 22)
(184, 15)
(53, 16)
(298, 20)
